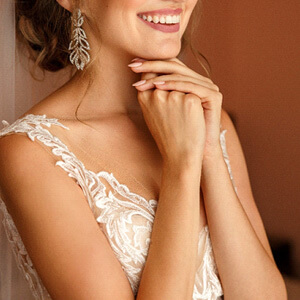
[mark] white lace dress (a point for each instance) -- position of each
(125, 217)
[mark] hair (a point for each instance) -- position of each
(45, 27)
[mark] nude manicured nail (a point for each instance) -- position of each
(139, 83)
(158, 82)
(135, 64)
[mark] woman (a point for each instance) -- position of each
(133, 120)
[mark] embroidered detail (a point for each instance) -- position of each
(207, 285)
(226, 158)
(126, 218)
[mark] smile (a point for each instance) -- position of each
(166, 20)
(161, 19)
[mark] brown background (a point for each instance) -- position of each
(253, 48)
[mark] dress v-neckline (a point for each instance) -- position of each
(122, 188)
(56, 121)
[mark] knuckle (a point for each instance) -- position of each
(159, 94)
(191, 99)
(174, 95)
(216, 87)
(219, 96)
(142, 98)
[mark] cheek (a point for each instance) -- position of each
(133, 4)
(190, 7)
(193, 3)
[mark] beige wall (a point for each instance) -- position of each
(254, 49)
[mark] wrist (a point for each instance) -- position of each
(182, 166)
(211, 156)
(212, 161)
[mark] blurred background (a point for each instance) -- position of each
(253, 48)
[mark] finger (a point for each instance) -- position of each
(175, 59)
(204, 93)
(149, 84)
(163, 67)
(148, 76)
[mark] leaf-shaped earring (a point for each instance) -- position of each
(79, 44)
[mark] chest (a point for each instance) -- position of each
(126, 150)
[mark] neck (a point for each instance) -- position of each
(111, 90)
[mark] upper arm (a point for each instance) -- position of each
(242, 181)
(68, 249)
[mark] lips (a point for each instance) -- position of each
(163, 27)
(165, 20)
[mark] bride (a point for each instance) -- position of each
(119, 184)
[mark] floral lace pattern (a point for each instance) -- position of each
(126, 218)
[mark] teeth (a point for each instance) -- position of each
(169, 19)
(162, 20)
(155, 19)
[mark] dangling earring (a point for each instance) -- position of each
(79, 56)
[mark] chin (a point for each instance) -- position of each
(163, 52)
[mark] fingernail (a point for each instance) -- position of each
(158, 82)
(139, 83)
(135, 64)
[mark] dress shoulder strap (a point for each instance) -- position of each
(32, 126)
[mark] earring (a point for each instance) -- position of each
(79, 56)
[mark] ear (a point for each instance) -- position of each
(66, 4)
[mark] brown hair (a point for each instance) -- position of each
(45, 27)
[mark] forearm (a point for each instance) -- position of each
(170, 269)
(246, 269)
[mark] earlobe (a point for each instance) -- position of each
(66, 4)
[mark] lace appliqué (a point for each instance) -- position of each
(207, 284)
(127, 221)
(226, 158)
(125, 217)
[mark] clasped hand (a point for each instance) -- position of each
(182, 108)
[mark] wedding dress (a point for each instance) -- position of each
(125, 217)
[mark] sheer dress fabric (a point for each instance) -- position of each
(125, 217)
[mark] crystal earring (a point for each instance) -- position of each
(79, 44)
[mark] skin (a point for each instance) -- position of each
(186, 105)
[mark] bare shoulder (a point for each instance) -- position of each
(57, 104)
(17, 151)
(23, 163)
(241, 178)
(61, 235)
